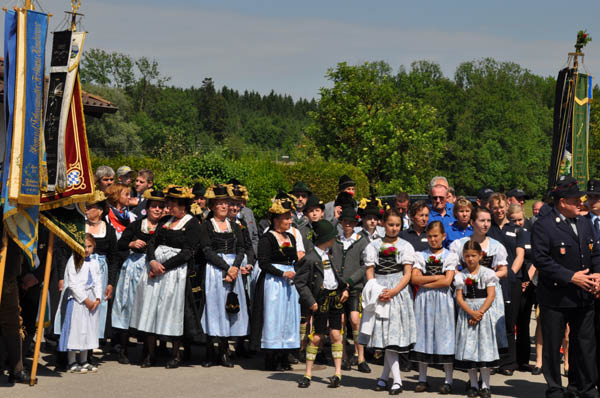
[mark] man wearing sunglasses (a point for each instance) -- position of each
(440, 210)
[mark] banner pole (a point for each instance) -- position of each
(42, 310)
(3, 259)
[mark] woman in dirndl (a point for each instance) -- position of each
(134, 240)
(276, 308)
(222, 243)
(158, 308)
(107, 255)
(389, 262)
(117, 214)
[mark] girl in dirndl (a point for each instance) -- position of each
(493, 257)
(276, 308)
(158, 308)
(433, 271)
(389, 261)
(79, 302)
(222, 245)
(134, 240)
(476, 346)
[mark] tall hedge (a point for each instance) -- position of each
(263, 178)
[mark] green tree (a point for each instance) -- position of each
(502, 136)
(364, 120)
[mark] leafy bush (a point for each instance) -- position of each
(322, 177)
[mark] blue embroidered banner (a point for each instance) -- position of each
(23, 169)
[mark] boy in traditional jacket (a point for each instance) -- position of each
(347, 260)
(324, 292)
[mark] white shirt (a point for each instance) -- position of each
(329, 281)
(347, 242)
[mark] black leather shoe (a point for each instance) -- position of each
(396, 389)
(446, 389)
(525, 367)
(292, 359)
(363, 367)
(226, 361)
(381, 385)
(536, 371)
(93, 360)
(346, 365)
(421, 386)
(304, 383)
(147, 362)
(485, 393)
(21, 377)
(173, 363)
(123, 359)
(506, 372)
(334, 382)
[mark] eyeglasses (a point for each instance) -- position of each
(440, 198)
(301, 195)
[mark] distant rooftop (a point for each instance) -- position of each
(93, 105)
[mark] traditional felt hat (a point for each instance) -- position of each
(516, 193)
(372, 207)
(154, 194)
(314, 201)
(97, 197)
(300, 187)
(178, 192)
(240, 192)
(567, 187)
(198, 190)
(349, 214)
(282, 203)
(323, 231)
(344, 199)
(593, 187)
(219, 191)
(345, 182)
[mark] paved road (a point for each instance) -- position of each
(244, 380)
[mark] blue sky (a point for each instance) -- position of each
(288, 46)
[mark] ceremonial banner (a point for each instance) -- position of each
(68, 224)
(23, 174)
(571, 127)
(580, 131)
(70, 177)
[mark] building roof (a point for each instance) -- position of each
(93, 105)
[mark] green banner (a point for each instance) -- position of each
(580, 130)
(68, 224)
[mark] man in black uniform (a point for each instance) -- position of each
(568, 260)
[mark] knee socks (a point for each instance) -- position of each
(302, 331)
(337, 350)
(311, 351)
(473, 378)
(422, 372)
(485, 377)
(391, 362)
(71, 357)
(448, 368)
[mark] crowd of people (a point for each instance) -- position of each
(447, 282)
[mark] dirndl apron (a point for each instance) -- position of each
(217, 322)
(281, 326)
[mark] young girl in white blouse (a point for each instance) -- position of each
(79, 303)
(389, 262)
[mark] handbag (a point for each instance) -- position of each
(232, 304)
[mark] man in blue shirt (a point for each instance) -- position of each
(440, 209)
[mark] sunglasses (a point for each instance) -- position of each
(440, 198)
